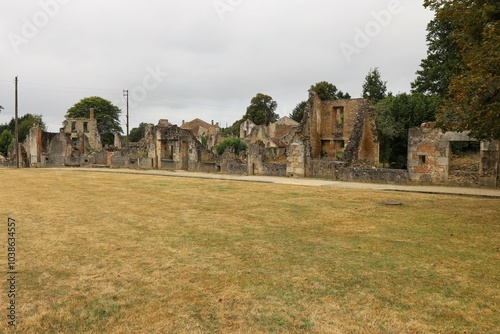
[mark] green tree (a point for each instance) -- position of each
(443, 61)
(6, 139)
(106, 114)
(25, 123)
(298, 112)
(3, 127)
(473, 103)
(261, 110)
(327, 91)
(236, 143)
(233, 130)
(374, 89)
(136, 134)
(395, 115)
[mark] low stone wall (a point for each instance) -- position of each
(168, 164)
(274, 168)
(375, 175)
(203, 167)
(324, 169)
(237, 168)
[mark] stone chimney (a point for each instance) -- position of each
(212, 122)
(183, 122)
(92, 115)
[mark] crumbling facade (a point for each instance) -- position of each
(74, 145)
(177, 148)
(84, 127)
(429, 155)
(207, 133)
(332, 134)
(266, 153)
(270, 135)
(342, 130)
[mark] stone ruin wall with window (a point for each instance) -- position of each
(430, 159)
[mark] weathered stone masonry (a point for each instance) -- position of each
(429, 156)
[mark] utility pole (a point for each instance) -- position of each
(17, 128)
(125, 95)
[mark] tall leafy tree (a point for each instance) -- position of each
(298, 112)
(262, 110)
(327, 91)
(136, 134)
(6, 138)
(374, 89)
(106, 114)
(25, 123)
(443, 61)
(473, 103)
(394, 116)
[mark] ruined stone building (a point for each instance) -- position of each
(207, 133)
(430, 159)
(335, 140)
(72, 146)
(86, 127)
(269, 135)
(331, 135)
(341, 130)
(178, 148)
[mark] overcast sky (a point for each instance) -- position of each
(182, 59)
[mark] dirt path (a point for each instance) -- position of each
(485, 192)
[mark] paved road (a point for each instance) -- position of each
(485, 192)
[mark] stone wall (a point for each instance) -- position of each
(429, 157)
(369, 149)
(296, 157)
(341, 129)
(86, 127)
(372, 175)
(236, 167)
(275, 168)
(323, 169)
(489, 168)
(178, 148)
(335, 170)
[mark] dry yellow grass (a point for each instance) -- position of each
(114, 253)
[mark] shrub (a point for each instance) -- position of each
(236, 143)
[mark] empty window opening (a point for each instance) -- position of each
(464, 162)
(73, 126)
(85, 127)
(465, 148)
(339, 117)
(421, 159)
(168, 152)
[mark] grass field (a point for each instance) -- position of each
(116, 253)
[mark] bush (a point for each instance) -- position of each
(236, 143)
